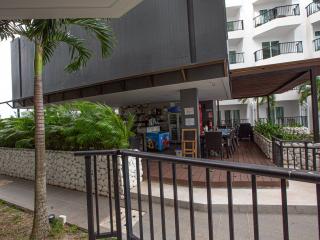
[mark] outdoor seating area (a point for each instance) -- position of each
(246, 152)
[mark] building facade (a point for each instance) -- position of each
(262, 32)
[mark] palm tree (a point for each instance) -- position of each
(305, 91)
(272, 101)
(245, 100)
(47, 34)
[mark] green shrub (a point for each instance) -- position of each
(270, 130)
(71, 126)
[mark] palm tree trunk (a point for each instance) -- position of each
(40, 227)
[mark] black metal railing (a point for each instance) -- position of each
(298, 121)
(316, 44)
(233, 122)
(118, 174)
(236, 58)
(277, 12)
(303, 155)
(293, 121)
(235, 25)
(313, 8)
(278, 49)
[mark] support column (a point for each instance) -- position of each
(314, 104)
(268, 109)
(218, 115)
(189, 103)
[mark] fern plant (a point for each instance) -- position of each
(72, 126)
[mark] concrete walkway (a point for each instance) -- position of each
(73, 205)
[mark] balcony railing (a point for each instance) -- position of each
(316, 44)
(119, 172)
(235, 25)
(289, 121)
(313, 8)
(278, 49)
(236, 58)
(277, 12)
(233, 122)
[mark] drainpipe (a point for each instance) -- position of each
(315, 110)
(218, 115)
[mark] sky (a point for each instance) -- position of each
(5, 79)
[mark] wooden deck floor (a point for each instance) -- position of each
(248, 152)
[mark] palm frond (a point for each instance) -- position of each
(100, 29)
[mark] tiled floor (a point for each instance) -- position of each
(247, 152)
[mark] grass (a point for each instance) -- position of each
(16, 224)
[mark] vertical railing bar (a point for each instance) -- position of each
(318, 204)
(192, 225)
(284, 209)
(163, 215)
(301, 165)
(255, 207)
(150, 201)
(96, 193)
(230, 206)
(110, 193)
(116, 196)
(314, 159)
(139, 198)
(91, 233)
(306, 155)
(126, 186)
(175, 197)
(209, 204)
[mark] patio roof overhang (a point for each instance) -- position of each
(22, 9)
(271, 79)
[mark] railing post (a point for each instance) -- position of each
(116, 195)
(91, 234)
(127, 195)
(306, 154)
(281, 153)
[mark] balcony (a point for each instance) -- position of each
(271, 22)
(277, 12)
(235, 58)
(235, 32)
(313, 12)
(278, 49)
(316, 44)
(235, 25)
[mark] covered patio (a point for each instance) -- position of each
(248, 152)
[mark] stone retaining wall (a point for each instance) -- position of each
(63, 168)
(264, 144)
(293, 153)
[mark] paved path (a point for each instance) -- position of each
(73, 205)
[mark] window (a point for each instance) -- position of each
(236, 116)
(317, 33)
(232, 57)
(270, 49)
(279, 112)
(227, 116)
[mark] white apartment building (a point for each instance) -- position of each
(262, 32)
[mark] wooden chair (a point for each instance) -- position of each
(189, 142)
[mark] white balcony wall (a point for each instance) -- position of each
(286, 29)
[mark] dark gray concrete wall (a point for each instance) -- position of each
(152, 37)
(189, 100)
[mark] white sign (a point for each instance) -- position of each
(189, 122)
(189, 111)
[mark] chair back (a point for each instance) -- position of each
(214, 141)
(245, 130)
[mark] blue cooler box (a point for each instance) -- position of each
(158, 141)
